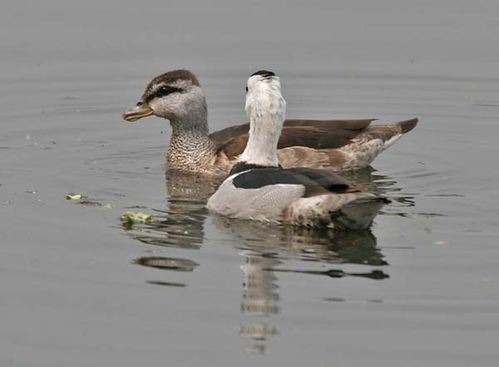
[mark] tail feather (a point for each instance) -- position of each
(360, 213)
(403, 128)
(343, 211)
(408, 125)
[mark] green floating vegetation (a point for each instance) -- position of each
(74, 197)
(135, 217)
(85, 200)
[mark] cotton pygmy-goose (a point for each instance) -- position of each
(257, 188)
(334, 144)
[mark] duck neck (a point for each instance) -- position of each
(264, 133)
(190, 145)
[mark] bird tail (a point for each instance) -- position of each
(402, 127)
(354, 210)
(360, 213)
(408, 125)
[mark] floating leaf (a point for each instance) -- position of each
(74, 197)
(135, 217)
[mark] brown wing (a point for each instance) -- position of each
(356, 154)
(317, 134)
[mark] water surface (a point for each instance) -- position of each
(190, 288)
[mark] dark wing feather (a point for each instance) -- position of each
(315, 181)
(327, 179)
(317, 134)
(341, 124)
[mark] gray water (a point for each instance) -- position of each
(190, 289)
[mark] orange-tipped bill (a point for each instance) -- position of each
(137, 113)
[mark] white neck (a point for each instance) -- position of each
(266, 110)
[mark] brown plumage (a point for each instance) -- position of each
(334, 144)
(338, 145)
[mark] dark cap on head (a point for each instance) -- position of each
(165, 82)
(174, 75)
(264, 73)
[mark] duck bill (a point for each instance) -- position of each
(137, 113)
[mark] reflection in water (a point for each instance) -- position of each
(259, 297)
(383, 185)
(167, 263)
(181, 225)
(267, 249)
(259, 290)
(337, 273)
(325, 246)
(166, 284)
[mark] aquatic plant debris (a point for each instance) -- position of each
(135, 217)
(83, 200)
(74, 197)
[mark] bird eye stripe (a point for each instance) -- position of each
(163, 91)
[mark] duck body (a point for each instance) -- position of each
(338, 145)
(334, 144)
(257, 188)
(297, 196)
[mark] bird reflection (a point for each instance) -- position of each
(266, 249)
(181, 225)
(259, 298)
(279, 243)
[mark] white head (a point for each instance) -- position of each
(176, 96)
(264, 99)
(266, 110)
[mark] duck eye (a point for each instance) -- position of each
(246, 89)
